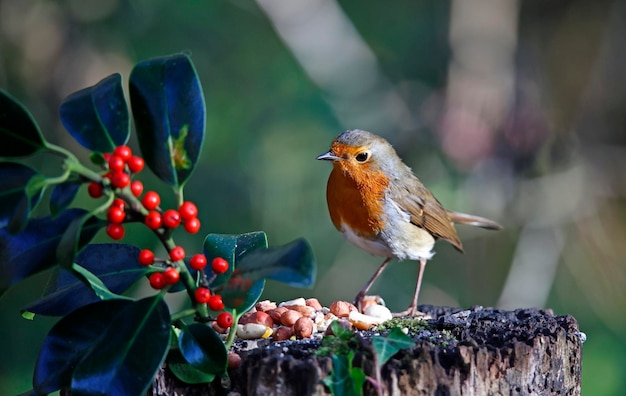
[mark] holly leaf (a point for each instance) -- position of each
(169, 112)
(203, 348)
(34, 249)
(386, 347)
(113, 264)
(185, 371)
(19, 133)
(62, 196)
(231, 248)
(73, 238)
(292, 264)
(69, 340)
(97, 117)
(20, 191)
(129, 350)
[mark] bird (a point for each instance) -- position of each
(380, 206)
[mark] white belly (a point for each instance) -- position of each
(373, 246)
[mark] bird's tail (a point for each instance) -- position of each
(463, 218)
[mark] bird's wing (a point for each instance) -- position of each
(425, 210)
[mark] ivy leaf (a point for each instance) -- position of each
(203, 348)
(386, 347)
(20, 191)
(169, 112)
(19, 133)
(33, 249)
(97, 117)
(69, 340)
(114, 264)
(62, 196)
(129, 350)
(345, 380)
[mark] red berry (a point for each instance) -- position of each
(157, 280)
(219, 265)
(197, 262)
(94, 189)
(135, 164)
(136, 188)
(171, 218)
(151, 200)
(171, 275)
(202, 295)
(119, 203)
(188, 210)
(177, 253)
(153, 220)
(216, 303)
(116, 163)
(225, 320)
(115, 231)
(146, 257)
(192, 225)
(120, 179)
(123, 152)
(115, 214)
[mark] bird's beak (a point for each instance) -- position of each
(329, 156)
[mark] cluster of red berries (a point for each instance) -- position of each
(121, 165)
(198, 262)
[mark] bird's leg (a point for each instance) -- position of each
(358, 300)
(412, 309)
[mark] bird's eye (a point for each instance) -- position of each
(362, 157)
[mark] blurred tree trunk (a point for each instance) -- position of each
(474, 352)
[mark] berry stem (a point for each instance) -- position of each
(183, 314)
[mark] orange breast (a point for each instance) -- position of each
(355, 198)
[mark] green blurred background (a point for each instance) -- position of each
(510, 110)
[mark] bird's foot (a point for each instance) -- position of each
(358, 301)
(410, 311)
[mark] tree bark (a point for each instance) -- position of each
(481, 351)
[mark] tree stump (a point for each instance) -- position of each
(480, 351)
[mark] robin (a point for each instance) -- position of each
(380, 206)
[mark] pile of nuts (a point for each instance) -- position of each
(300, 318)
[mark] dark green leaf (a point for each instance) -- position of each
(231, 248)
(345, 380)
(69, 340)
(62, 196)
(97, 117)
(169, 112)
(203, 348)
(185, 371)
(243, 298)
(115, 265)
(386, 347)
(292, 264)
(73, 238)
(17, 195)
(124, 359)
(19, 133)
(33, 250)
